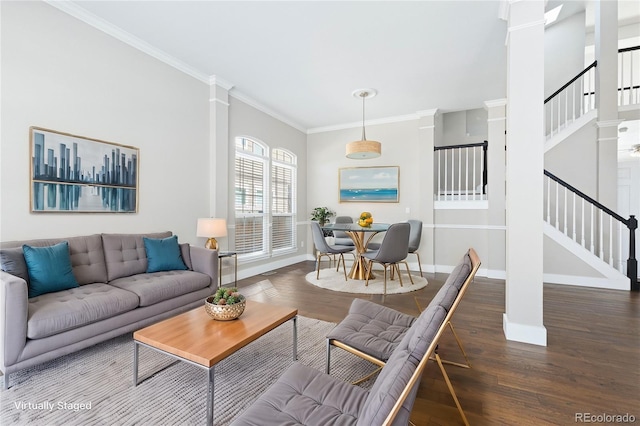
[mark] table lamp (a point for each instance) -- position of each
(210, 228)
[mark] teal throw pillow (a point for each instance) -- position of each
(163, 254)
(49, 268)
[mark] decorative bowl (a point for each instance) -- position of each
(224, 312)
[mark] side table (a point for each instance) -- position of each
(222, 255)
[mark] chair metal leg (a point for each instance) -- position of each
(328, 356)
(408, 272)
(318, 266)
(344, 266)
(367, 273)
(459, 342)
(397, 268)
(453, 392)
(419, 263)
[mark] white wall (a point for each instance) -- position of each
(564, 45)
(63, 75)
(245, 120)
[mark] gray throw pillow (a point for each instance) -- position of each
(12, 261)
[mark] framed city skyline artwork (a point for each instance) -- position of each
(76, 174)
(369, 184)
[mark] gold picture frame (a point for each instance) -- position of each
(77, 174)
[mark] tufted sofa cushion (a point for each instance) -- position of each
(156, 287)
(372, 328)
(125, 254)
(87, 256)
(54, 313)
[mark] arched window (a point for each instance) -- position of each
(265, 194)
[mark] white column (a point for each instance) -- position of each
(497, 138)
(426, 142)
(219, 151)
(606, 48)
(524, 173)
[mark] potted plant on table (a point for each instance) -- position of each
(321, 215)
(225, 304)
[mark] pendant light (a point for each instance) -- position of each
(363, 149)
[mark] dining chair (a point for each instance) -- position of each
(415, 235)
(324, 249)
(393, 250)
(341, 237)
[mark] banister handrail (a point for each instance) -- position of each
(587, 198)
(464, 145)
(594, 64)
(628, 49)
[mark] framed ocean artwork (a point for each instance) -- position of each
(76, 174)
(369, 184)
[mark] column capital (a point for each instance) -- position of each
(427, 113)
(214, 80)
(495, 103)
(608, 123)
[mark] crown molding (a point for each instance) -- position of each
(215, 80)
(427, 112)
(257, 105)
(385, 120)
(85, 16)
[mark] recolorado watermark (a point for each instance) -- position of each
(604, 418)
(50, 406)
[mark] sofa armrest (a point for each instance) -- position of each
(14, 310)
(205, 261)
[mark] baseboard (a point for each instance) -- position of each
(532, 334)
(597, 282)
(266, 267)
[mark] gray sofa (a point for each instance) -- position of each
(115, 296)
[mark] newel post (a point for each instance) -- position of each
(632, 262)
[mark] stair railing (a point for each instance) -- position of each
(571, 101)
(629, 76)
(592, 225)
(461, 172)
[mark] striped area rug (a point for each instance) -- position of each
(94, 386)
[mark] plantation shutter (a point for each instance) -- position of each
(282, 204)
(249, 205)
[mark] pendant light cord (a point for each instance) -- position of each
(363, 95)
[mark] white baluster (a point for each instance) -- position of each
(459, 173)
(581, 79)
(466, 176)
(548, 199)
(566, 106)
(439, 177)
(582, 224)
(558, 97)
(557, 202)
(566, 232)
(601, 237)
(446, 174)
(573, 217)
(551, 116)
(620, 246)
(573, 103)
(474, 175)
(611, 241)
(592, 226)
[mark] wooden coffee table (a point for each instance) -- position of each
(196, 338)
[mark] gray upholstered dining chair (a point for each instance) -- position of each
(415, 235)
(341, 237)
(324, 249)
(393, 250)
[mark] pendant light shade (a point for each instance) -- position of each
(364, 149)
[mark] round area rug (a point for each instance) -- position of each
(332, 280)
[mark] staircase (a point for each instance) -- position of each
(591, 232)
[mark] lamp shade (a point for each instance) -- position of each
(364, 149)
(211, 227)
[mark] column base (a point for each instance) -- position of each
(535, 335)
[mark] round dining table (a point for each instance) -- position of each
(357, 234)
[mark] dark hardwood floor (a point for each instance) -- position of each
(591, 364)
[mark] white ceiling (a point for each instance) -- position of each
(301, 60)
